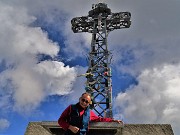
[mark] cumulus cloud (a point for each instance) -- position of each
(151, 40)
(59, 14)
(57, 77)
(4, 124)
(155, 99)
(25, 82)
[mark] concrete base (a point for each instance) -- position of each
(101, 128)
(105, 128)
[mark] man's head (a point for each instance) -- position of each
(85, 100)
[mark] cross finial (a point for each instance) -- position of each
(100, 1)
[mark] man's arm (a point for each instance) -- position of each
(63, 120)
(94, 117)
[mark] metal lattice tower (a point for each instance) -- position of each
(100, 22)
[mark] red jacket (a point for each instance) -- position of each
(65, 116)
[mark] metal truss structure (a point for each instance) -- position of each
(100, 21)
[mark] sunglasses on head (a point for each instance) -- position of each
(84, 100)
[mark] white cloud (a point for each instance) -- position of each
(18, 38)
(24, 83)
(57, 77)
(151, 40)
(4, 124)
(59, 14)
(155, 99)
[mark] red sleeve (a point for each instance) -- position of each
(63, 120)
(94, 117)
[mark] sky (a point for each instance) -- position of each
(40, 58)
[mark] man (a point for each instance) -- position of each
(75, 118)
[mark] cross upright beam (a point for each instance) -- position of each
(100, 21)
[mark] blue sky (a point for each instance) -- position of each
(40, 58)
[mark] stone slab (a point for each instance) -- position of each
(101, 128)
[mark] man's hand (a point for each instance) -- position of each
(74, 129)
(118, 121)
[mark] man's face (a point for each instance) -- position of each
(85, 100)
